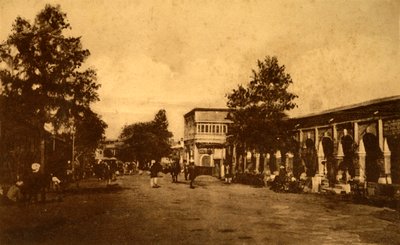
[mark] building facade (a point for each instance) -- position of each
(205, 132)
(362, 139)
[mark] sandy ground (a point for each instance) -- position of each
(212, 213)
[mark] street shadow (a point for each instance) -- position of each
(95, 190)
(31, 234)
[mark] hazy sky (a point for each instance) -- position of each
(178, 55)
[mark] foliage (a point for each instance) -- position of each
(259, 108)
(145, 141)
(43, 78)
(89, 132)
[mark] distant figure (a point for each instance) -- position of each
(14, 193)
(34, 184)
(155, 167)
(192, 173)
(174, 169)
(185, 169)
(348, 152)
(373, 156)
(228, 174)
(328, 147)
(310, 157)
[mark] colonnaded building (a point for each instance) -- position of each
(362, 139)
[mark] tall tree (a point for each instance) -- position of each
(259, 107)
(44, 79)
(145, 141)
(89, 132)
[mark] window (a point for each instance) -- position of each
(217, 129)
(206, 129)
(213, 129)
(202, 128)
(224, 128)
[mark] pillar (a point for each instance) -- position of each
(234, 159)
(339, 160)
(316, 138)
(222, 166)
(387, 162)
(245, 161)
(300, 137)
(356, 135)
(278, 158)
(361, 163)
(380, 133)
(289, 162)
(334, 132)
(267, 171)
(321, 158)
(257, 162)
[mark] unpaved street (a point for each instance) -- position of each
(212, 213)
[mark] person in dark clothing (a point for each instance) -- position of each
(310, 157)
(192, 173)
(373, 156)
(155, 167)
(348, 152)
(327, 145)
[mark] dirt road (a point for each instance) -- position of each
(212, 213)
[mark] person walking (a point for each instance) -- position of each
(192, 173)
(155, 167)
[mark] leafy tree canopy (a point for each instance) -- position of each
(145, 141)
(44, 84)
(43, 76)
(259, 107)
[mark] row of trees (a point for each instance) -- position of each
(258, 115)
(146, 141)
(44, 84)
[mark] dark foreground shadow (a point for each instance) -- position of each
(95, 190)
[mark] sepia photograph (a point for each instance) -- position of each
(199, 122)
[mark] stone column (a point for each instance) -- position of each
(387, 162)
(196, 155)
(339, 160)
(234, 159)
(321, 158)
(356, 135)
(245, 161)
(361, 163)
(222, 166)
(267, 171)
(301, 138)
(289, 162)
(316, 138)
(380, 133)
(334, 132)
(257, 162)
(278, 158)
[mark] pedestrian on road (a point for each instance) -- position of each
(155, 167)
(192, 173)
(185, 169)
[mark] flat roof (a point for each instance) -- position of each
(388, 107)
(353, 106)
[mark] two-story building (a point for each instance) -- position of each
(205, 134)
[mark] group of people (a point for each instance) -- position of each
(155, 168)
(31, 185)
